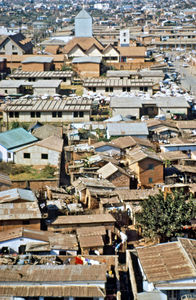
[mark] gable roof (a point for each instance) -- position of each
(83, 15)
(24, 43)
(84, 43)
(139, 154)
(15, 138)
(53, 142)
(107, 170)
(168, 261)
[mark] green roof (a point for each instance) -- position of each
(16, 138)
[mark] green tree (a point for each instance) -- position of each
(163, 216)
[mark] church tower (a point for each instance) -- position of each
(83, 24)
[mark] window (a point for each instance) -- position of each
(13, 47)
(38, 114)
(16, 114)
(75, 114)
(6, 91)
(149, 180)
(32, 114)
(44, 156)
(59, 114)
(106, 89)
(94, 89)
(9, 155)
(54, 114)
(27, 155)
(150, 167)
(145, 89)
(124, 40)
(81, 114)
(11, 114)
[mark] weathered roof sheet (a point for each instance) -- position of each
(15, 194)
(138, 154)
(15, 138)
(52, 273)
(167, 262)
(84, 219)
(125, 102)
(123, 129)
(53, 142)
(49, 105)
(107, 170)
(135, 195)
(55, 290)
(91, 241)
(96, 230)
(47, 83)
(41, 74)
(82, 183)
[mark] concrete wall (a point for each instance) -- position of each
(117, 90)
(168, 111)
(47, 117)
(42, 91)
(9, 90)
(36, 156)
(5, 155)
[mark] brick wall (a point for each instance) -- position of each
(120, 180)
(156, 174)
(87, 69)
(35, 184)
(6, 225)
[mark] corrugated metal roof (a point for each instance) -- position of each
(45, 74)
(47, 83)
(16, 138)
(52, 273)
(91, 241)
(37, 59)
(56, 291)
(84, 219)
(168, 261)
(122, 129)
(118, 82)
(87, 59)
(49, 105)
(125, 102)
(13, 83)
